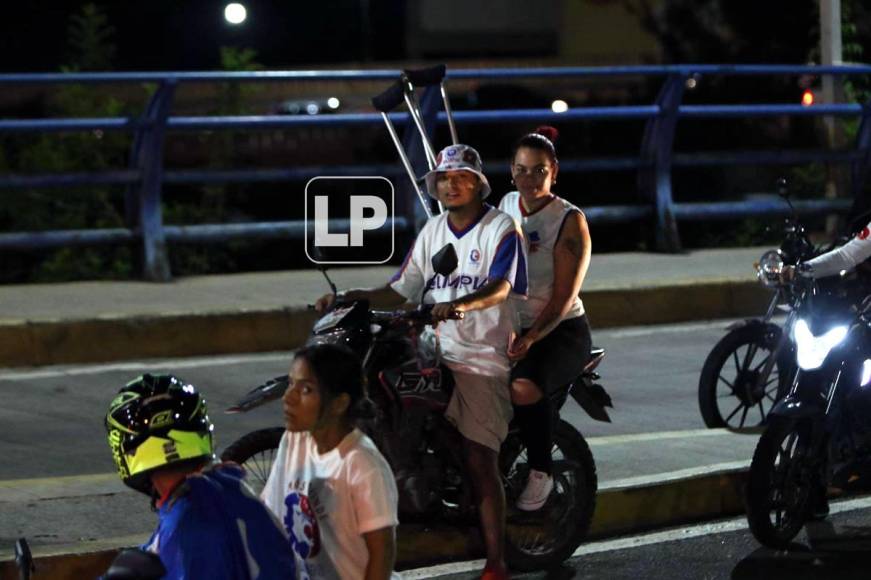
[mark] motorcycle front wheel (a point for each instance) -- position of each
(544, 538)
(255, 452)
(733, 393)
(780, 481)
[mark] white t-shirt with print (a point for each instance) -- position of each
(491, 248)
(328, 501)
(541, 229)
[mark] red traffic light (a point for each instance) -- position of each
(807, 98)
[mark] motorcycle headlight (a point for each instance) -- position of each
(769, 268)
(866, 373)
(812, 350)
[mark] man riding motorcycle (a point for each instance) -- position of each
(491, 266)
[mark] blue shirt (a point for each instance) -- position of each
(214, 527)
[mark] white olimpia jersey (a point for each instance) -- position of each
(489, 249)
(541, 229)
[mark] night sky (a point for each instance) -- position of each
(187, 34)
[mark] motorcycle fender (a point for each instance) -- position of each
(593, 399)
(745, 322)
(793, 408)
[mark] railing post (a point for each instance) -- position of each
(654, 177)
(430, 103)
(143, 202)
(859, 167)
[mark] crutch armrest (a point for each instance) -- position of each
(423, 77)
(389, 99)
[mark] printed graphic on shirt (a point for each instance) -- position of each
(863, 235)
(302, 525)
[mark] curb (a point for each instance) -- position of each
(619, 510)
(111, 338)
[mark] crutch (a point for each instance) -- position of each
(384, 103)
(404, 90)
(427, 77)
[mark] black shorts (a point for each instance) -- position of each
(559, 357)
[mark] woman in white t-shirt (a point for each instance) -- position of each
(555, 342)
(329, 485)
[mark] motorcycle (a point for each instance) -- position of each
(752, 365)
(130, 564)
(817, 436)
(424, 449)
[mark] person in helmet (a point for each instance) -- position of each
(211, 525)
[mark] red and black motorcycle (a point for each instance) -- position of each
(424, 449)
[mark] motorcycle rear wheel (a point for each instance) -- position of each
(727, 397)
(780, 482)
(255, 452)
(544, 538)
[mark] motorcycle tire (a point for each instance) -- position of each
(545, 538)
(777, 486)
(727, 353)
(255, 452)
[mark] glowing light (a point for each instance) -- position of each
(235, 13)
(312, 109)
(559, 106)
(807, 98)
(866, 372)
(333, 103)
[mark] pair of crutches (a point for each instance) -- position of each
(403, 91)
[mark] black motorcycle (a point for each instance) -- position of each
(424, 449)
(751, 367)
(818, 436)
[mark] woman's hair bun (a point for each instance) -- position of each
(547, 131)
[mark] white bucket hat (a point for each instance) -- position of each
(457, 158)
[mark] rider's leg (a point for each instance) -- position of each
(534, 420)
(483, 469)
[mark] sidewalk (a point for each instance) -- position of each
(102, 321)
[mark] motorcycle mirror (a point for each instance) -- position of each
(24, 559)
(445, 261)
(782, 189)
(136, 564)
(318, 253)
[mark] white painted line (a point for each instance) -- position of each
(139, 366)
(731, 525)
(657, 436)
(674, 475)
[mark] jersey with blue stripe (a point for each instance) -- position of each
(491, 248)
(215, 527)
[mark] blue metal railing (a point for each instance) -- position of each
(146, 175)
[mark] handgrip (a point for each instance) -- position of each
(423, 77)
(389, 99)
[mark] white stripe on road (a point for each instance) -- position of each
(659, 435)
(732, 525)
(140, 366)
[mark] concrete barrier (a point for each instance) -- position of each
(619, 510)
(105, 339)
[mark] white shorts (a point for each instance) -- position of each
(480, 408)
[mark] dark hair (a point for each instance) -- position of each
(338, 370)
(542, 139)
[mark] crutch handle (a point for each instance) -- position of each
(389, 99)
(424, 77)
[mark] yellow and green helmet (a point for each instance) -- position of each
(156, 421)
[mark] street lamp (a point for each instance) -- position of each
(235, 13)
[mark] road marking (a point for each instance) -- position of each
(673, 535)
(27, 490)
(657, 436)
(657, 478)
(140, 366)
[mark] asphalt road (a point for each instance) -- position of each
(51, 417)
(837, 548)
